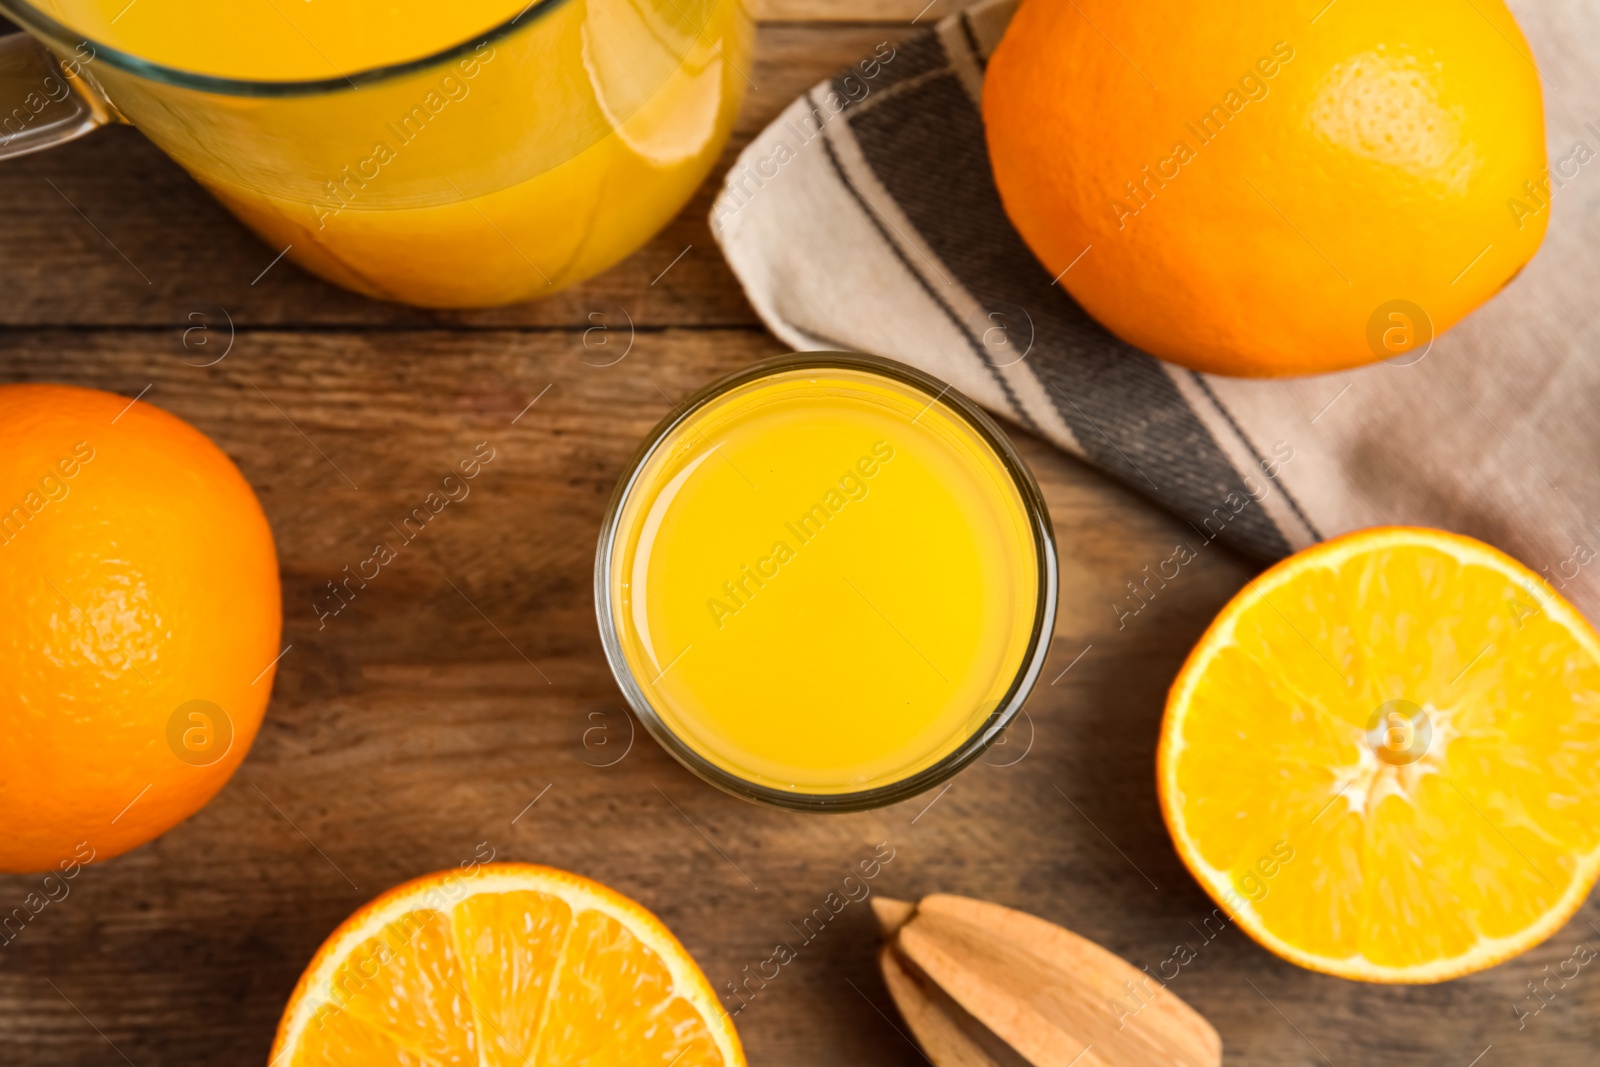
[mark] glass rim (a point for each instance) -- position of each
(980, 738)
(30, 18)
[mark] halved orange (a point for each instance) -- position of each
(499, 965)
(1383, 758)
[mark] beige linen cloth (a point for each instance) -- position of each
(866, 218)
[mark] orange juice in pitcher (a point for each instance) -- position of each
(465, 154)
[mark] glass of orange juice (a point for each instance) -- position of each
(826, 582)
(457, 154)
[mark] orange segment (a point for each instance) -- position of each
(1383, 758)
(509, 941)
(407, 982)
(502, 965)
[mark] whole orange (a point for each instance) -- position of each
(141, 607)
(1273, 187)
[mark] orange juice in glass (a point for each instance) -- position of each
(449, 155)
(827, 582)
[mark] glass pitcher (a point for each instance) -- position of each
(494, 170)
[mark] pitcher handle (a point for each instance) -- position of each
(44, 101)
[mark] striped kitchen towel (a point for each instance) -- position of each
(866, 218)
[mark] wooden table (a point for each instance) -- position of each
(469, 682)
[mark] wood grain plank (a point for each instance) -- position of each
(921, 12)
(407, 730)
